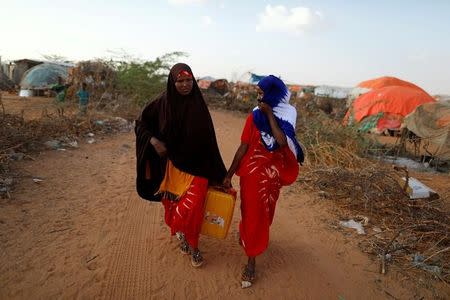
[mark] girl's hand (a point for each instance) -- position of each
(265, 108)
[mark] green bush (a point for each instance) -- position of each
(141, 80)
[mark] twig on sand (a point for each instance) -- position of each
(390, 295)
(91, 259)
(59, 230)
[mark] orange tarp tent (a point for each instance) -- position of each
(294, 88)
(397, 100)
(385, 81)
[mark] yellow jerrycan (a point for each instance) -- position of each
(219, 207)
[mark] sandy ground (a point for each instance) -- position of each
(84, 233)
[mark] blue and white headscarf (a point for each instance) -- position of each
(277, 95)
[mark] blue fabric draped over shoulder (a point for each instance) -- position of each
(277, 95)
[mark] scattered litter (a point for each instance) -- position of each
(17, 156)
(90, 134)
(407, 226)
(354, 225)
(37, 180)
(6, 181)
(418, 262)
(246, 284)
(5, 186)
(73, 144)
(324, 194)
(90, 141)
(61, 149)
(376, 229)
(99, 122)
(418, 190)
(406, 162)
(363, 219)
(53, 144)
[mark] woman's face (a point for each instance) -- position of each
(260, 93)
(184, 84)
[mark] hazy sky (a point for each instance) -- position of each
(307, 42)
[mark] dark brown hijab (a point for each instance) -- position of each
(184, 124)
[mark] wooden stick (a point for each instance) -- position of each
(439, 252)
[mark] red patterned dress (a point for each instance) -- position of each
(186, 214)
(262, 174)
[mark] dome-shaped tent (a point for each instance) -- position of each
(386, 107)
(43, 76)
(386, 81)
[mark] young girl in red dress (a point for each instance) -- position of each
(266, 160)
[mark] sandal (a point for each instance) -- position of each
(248, 277)
(184, 246)
(180, 235)
(197, 259)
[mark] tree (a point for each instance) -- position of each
(55, 58)
(142, 80)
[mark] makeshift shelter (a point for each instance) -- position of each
(204, 84)
(254, 78)
(442, 98)
(220, 86)
(332, 92)
(385, 81)
(20, 67)
(386, 107)
(6, 84)
(99, 77)
(355, 93)
(431, 121)
(42, 76)
(207, 78)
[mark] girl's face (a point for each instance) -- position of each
(184, 84)
(260, 93)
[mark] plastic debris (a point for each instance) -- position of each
(406, 162)
(37, 180)
(90, 141)
(6, 181)
(418, 262)
(73, 144)
(17, 156)
(5, 186)
(90, 134)
(53, 144)
(363, 219)
(246, 284)
(418, 190)
(354, 225)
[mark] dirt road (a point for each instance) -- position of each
(84, 233)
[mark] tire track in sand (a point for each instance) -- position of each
(130, 268)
